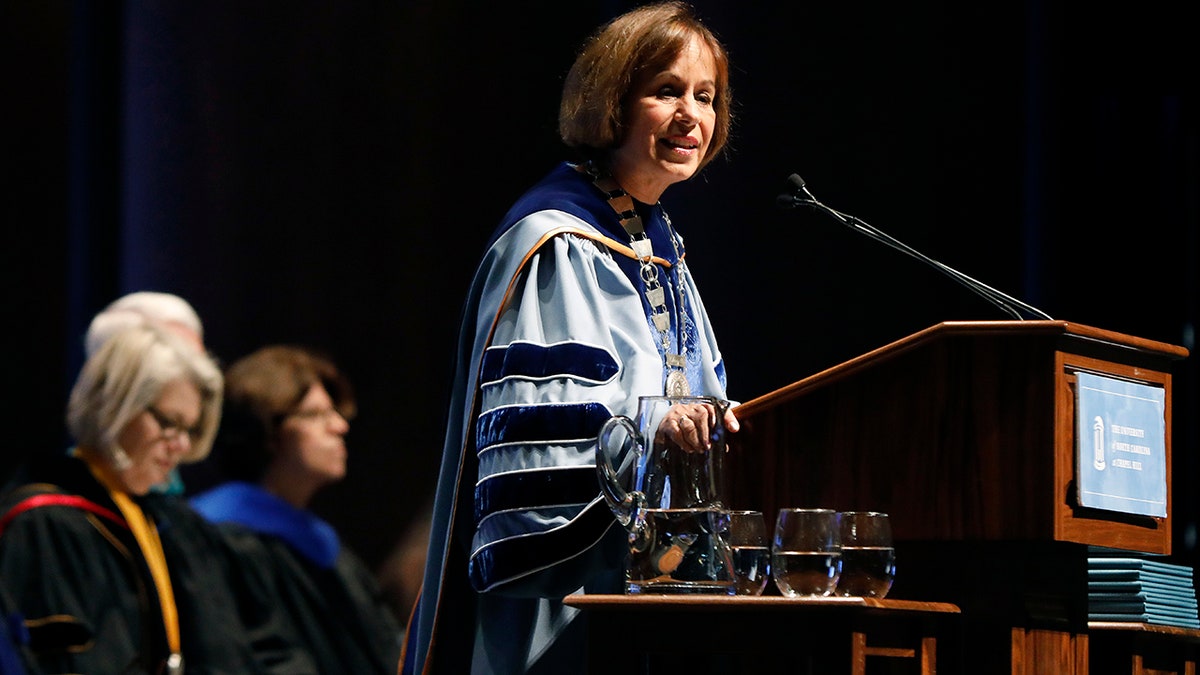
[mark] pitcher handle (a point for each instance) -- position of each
(624, 505)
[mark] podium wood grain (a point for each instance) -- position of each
(964, 433)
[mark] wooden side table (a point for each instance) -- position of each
(651, 634)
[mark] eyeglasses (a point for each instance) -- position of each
(321, 415)
(172, 429)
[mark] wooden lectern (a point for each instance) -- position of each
(965, 434)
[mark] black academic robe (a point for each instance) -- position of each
(228, 616)
(88, 599)
(338, 613)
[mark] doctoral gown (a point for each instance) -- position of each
(336, 607)
(79, 580)
(556, 338)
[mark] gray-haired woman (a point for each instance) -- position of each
(106, 578)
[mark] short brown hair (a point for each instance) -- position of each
(591, 116)
(261, 390)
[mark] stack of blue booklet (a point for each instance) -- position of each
(1130, 588)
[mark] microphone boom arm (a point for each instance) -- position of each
(1006, 303)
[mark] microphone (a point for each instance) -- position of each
(800, 196)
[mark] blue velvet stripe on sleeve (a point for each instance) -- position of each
(512, 558)
(526, 359)
(537, 503)
(534, 489)
(539, 423)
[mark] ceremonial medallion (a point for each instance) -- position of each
(677, 384)
(656, 293)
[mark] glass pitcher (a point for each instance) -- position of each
(675, 513)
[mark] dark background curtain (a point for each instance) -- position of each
(326, 173)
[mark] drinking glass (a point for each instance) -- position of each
(868, 554)
(806, 556)
(751, 551)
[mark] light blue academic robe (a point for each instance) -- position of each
(555, 339)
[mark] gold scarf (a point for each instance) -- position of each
(148, 541)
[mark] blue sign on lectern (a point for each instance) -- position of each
(1121, 445)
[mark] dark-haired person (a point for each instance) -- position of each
(581, 304)
(287, 411)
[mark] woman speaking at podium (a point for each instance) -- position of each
(582, 303)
